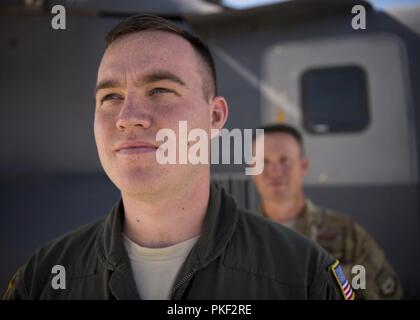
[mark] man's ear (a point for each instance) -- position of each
(218, 112)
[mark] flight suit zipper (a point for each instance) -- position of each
(180, 283)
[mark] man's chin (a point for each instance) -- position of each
(139, 180)
(143, 189)
(281, 192)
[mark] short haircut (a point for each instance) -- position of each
(286, 129)
(149, 22)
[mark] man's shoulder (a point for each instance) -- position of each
(73, 251)
(275, 250)
(68, 249)
(71, 241)
(268, 231)
(327, 217)
(331, 219)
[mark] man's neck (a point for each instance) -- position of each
(284, 210)
(169, 220)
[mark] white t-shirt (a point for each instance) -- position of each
(155, 269)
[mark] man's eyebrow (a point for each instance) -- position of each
(106, 84)
(161, 75)
(147, 79)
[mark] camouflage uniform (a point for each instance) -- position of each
(347, 241)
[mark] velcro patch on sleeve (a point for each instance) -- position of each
(342, 281)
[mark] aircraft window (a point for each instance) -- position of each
(334, 99)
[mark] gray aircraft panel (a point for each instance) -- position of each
(385, 151)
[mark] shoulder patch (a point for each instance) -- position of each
(386, 283)
(342, 281)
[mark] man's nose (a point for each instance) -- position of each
(275, 167)
(134, 114)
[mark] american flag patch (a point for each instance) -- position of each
(342, 281)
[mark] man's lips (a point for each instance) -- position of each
(136, 146)
(276, 182)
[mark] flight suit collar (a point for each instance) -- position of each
(111, 251)
(218, 227)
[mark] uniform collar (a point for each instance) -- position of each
(109, 244)
(111, 251)
(218, 227)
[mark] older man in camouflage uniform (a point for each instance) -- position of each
(282, 200)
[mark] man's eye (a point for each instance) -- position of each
(111, 96)
(285, 161)
(159, 90)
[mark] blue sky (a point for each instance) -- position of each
(379, 4)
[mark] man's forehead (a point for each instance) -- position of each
(279, 142)
(134, 54)
(150, 42)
